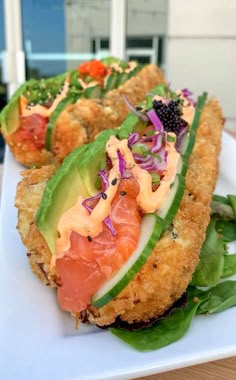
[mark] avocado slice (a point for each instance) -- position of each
(60, 194)
(90, 164)
(9, 117)
(77, 176)
(35, 91)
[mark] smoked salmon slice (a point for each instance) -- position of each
(90, 262)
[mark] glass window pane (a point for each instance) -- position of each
(60, 34)
(3, 96)
(146, 43)
(2, 48)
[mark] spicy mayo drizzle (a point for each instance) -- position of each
(79, 220)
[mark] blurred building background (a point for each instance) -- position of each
(193, 41)
(88, 28)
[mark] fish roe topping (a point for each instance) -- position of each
(94, 69)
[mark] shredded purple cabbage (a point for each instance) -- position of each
(87, 202)
(159, 142)
(103, 174)
(155, 120)
(152, 163)
(188, 95)
(132, 108)
(180, 137)
(108, 223)
(121, 164)
(133, 139)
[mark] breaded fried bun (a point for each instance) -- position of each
(167, 272)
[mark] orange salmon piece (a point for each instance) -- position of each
(88, 264)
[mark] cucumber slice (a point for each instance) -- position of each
(64, 103)
(151, 229)
(187, 145)
(93, 92)
(111, 82)
(182, 166)
(188, 141)
(171, 204)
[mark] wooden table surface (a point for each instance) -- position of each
(218, 370)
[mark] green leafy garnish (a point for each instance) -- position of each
(215, 263)
(162, 333)
(210, 266)
(220, 297)
(229, 265)
(171, 138)
(232, 201)
(227, 230)
(155, 177)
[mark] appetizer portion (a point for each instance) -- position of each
(119, 226)
(46, 119)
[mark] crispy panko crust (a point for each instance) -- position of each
(168, 271)
(79, 123)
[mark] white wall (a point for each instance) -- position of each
(201, 50)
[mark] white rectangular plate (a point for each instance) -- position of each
(38, 340)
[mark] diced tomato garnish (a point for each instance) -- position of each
(33, 131)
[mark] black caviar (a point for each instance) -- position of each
(170, 115)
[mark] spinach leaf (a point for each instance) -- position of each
(222, 210)
(232, 201)
(220, 199)
(227, 230)
(210, 266)
(162, 333)
(220, 297)
(229, 265)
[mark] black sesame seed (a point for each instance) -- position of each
(104, 196)
(123, 193)
(114, 181)
(89, 239)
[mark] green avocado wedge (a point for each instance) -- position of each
(92, 162)
(9, 117)
(60, 194)
(77, 176)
